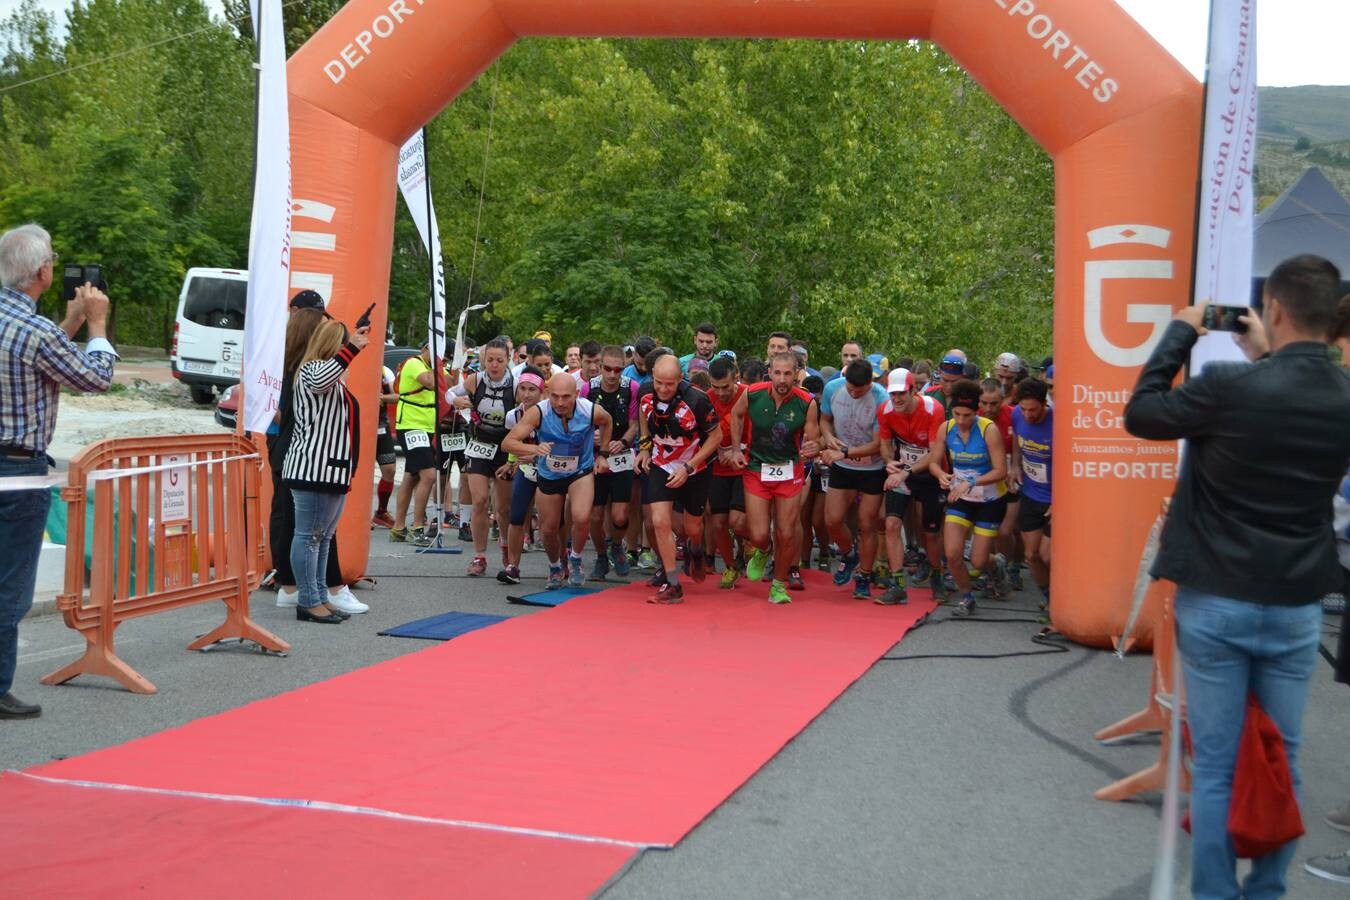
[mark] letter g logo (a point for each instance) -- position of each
(1097, 272)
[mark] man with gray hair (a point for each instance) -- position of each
(37, 357)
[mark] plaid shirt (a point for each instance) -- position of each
(36, 358)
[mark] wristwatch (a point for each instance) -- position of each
(689, 467)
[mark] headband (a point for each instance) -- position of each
(531, 378)
(966, 404)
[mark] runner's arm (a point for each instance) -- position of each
(734, 457)
(937, 454)
(998, 458)
(1015, 471)
(811, 446)
(514, 442)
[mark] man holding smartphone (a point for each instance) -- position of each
(38, 357)
(1248, 539)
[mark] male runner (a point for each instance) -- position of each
(590, 362)
(415, 419)
(975, 487)
(572, 359)
(994, 408)
(1009, 369)
(778, 415)
(908, 423)
(705, 345)
(617, 395)
(850, 351)
(779, 342)
(384, 451)
(1034, 428)
(565, 427)
(679, 435)
(726, 496)
(851, 449)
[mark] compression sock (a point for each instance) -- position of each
(382, 492)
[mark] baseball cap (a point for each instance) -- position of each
(697, 364)
(1050, 371)
(900, 380)
(543, 336)
(879, 365)
(1010, 361)
(307, 299)
(952, 365)
(1046, 363)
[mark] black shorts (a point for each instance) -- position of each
(613, 487)
(384, 449)
(727, 492)
(869, 481)
(689, 498)
(984, 517)
(555, 487)
(453, 460)
(487, 467)
(420, 458)
(817, 485)
(1031, 516)
(1012, 497)
(929, 496)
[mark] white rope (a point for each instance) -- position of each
(39, 482)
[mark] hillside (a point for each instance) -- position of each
(1318, 112)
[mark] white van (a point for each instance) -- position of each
(208, 334)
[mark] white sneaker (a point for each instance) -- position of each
(345, 601)
(287, 599)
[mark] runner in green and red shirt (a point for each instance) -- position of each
(784, 429)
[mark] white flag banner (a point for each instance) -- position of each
(412, 181)
(269, 244)
(1223, 259)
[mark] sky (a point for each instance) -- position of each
(1298, 41)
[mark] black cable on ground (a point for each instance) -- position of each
(1047, 638)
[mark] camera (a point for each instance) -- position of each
(75, 276)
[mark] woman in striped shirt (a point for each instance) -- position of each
(321, 460)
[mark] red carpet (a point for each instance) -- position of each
(605, 717)
(63, 841)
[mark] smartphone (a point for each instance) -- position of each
(1225, 318)
(72, 277)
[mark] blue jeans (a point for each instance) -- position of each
(316, 519)
(23, 518)
(1229, 648)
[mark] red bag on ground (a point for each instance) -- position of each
(1263, 813)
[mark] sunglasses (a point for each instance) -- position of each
(953, 368)
(616, 370)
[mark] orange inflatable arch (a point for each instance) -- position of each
(1119, 116)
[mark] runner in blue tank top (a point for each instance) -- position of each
(565, 427)
(1034, 429)
(975, 484)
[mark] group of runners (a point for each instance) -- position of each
(919, 473)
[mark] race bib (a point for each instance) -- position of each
(480, 450)
(529, 471)
(1035, 471)
(621, 462)
(562, 465)
(382, 430)
(825, 480)
(416, 440)
(908, 454)
(772, 472)
(453, 443)
(976, 493)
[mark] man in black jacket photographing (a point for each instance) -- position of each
(1248, 539)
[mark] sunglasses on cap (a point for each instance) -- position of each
(952, 368)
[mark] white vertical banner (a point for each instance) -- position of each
(1223, 240)
(412, 181)
(269, 244)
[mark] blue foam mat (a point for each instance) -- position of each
(443, 627)
(553, 597)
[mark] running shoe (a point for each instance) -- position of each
(1000, 579)
(912, 557)
(823, 561)
(509, 575)
(577, 574)
(419, 537)
(382, 520)
(778, 593)
(847, 563)
(1333, 868)
(881, 576)
(893, 596)
(398, 535)
(466, 533)
(794, 579)
(478, 565)
(862, 587)
(921, 573)
(1015, 578)
(679, 550)
(619, 556)
(667, 594)
(965, 606)
(697, 563)
(646, 559)
(754, 569)
(658, 578)
(555, 576)
(938, 586)
(600, 569)
(729, 579)
(494, 533)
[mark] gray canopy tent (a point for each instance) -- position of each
(1311, 216)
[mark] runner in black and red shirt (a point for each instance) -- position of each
(679, 435)
(726, 496)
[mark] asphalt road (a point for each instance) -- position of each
(928, 778)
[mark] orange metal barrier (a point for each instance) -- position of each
(176, 522)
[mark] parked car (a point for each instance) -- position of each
(208, 331)
(227, 409)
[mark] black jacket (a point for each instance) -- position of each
(1267, 447)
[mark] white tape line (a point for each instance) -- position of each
(344, 808)
(41, 482)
